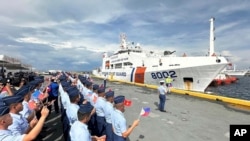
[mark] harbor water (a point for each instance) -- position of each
(240, 89)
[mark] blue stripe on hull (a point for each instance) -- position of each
(132, 74)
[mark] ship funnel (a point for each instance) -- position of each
(212, 38)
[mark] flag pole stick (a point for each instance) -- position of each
(139, 115)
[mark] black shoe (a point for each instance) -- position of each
(163, 110)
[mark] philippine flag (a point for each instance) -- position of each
(145, 111)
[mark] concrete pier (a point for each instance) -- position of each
(187, 118)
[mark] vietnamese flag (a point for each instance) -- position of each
(32, 104)
(41, 96)
(127, 102)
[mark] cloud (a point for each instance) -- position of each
(72, 35)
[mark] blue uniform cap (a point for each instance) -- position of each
(23, 90)
(88, 83)
(12, 99)
(2, 103)
(95, 87)
(119, 99)
(101, 90)
(68, 89)
(83, 80)
(85, 108)
(34, 82)
(4, 110)
(110, 94)
(65, 84)
(40, 78)
(62, 78)
(74, 92)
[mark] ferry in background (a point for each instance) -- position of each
(133, 64)
(233, 72)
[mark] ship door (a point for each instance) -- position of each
(188, 83)
(139, 74)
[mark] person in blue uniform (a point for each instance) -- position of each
(109, 108)
(6, 121)
(79, 130)
(100, 112)
(121, 132)
(53, 94)
(162, 96)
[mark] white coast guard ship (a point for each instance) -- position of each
(133, 64)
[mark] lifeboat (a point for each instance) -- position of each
(223, 79)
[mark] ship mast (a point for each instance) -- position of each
(123, 41)
(212, 38)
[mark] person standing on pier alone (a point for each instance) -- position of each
(168, 81)
(105, 81)
(162, 96)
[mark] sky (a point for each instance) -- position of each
(72, 35)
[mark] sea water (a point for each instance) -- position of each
(240, 89)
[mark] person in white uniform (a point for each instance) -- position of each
(109, 108)
(20, 124)
(79, 130)
(71, 111)
(121, 132)
(6, 121)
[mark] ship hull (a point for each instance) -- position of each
(194, 78)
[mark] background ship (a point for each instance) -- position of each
(133, 64)
(233, 72)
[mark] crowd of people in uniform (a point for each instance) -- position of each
(88, 111)
(18, 122)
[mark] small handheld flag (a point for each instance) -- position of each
(41, 96)
(32, 104)
(144, 112)
(127, 102)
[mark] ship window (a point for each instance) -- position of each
(119, 65)
(127, 64)
(107, 64)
